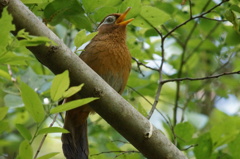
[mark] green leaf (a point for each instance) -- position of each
(59, 85)
(225, 131)
(30, 40)
(32, 102)
(5, 74)
(234, 147)
(5, 27)
(204, 147)
(71, 91)
(57, 10)
(52, 130)
(24, 132)
(103, 12)
(25, 150)
(4, 126)
(150, 15)
(13, 59)
(231, 17)
(80, 21)
(82, 38)
(185, 132)
(92, 5)
(135, 5)
(72, 105)
(3, 112)
(48, 156)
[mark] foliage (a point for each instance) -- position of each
(186, 66)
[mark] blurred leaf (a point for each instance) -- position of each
(92, 5)
(32, 102)
(232, 38)
(150, 16)
(25, 150)
(59, 85)
(82, 38)
(24, 132)
(235, 8)
(5, 74)
(230, 16)
(184, 132)
(4, 126)
(204, 147)
(225, 131)
(52, 130)
(3, 112)
(13, 59)
(58, 9)
(71, 105)
(135, 7)
(103, 12)
(72, 90)
(48, 156)
(234, 147)
(80, 21)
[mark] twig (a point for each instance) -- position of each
(160, 71)
(142, 64)
(106, 152)
(200, 78)
(11, 73)
(185, 149)
(192, 18)
(44, 137)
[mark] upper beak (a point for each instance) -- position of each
(120, 20)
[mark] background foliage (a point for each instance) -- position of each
(179, 50)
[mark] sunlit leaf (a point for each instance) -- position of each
(3, 112)
(72, 105)
(32, 102)
(24, 132)
(52, 130)
(204, 147)
(82, 38)
(4, 126)
(72, 90)
(5, 27)
(185, 132)
(48, 156)
(59, 85)
(25, 150)
(5, 74)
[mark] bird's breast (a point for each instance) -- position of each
(111, 61)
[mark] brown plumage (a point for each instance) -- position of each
(108, 55)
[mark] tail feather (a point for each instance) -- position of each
(75, 143)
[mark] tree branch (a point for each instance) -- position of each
(111, 106)
(201, 78)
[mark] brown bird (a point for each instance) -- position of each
(107, 54)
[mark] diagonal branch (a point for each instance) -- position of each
(111, 106)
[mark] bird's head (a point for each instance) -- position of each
(114, 22)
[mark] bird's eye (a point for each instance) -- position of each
(110, 20)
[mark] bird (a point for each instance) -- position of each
(108, 55)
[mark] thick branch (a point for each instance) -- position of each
(111, 106)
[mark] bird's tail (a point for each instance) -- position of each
(75, 143)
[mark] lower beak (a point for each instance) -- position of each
(120, 20)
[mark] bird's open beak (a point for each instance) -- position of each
(120, 20)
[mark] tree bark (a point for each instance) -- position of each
(111, 106)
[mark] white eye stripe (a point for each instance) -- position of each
(109, 20)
